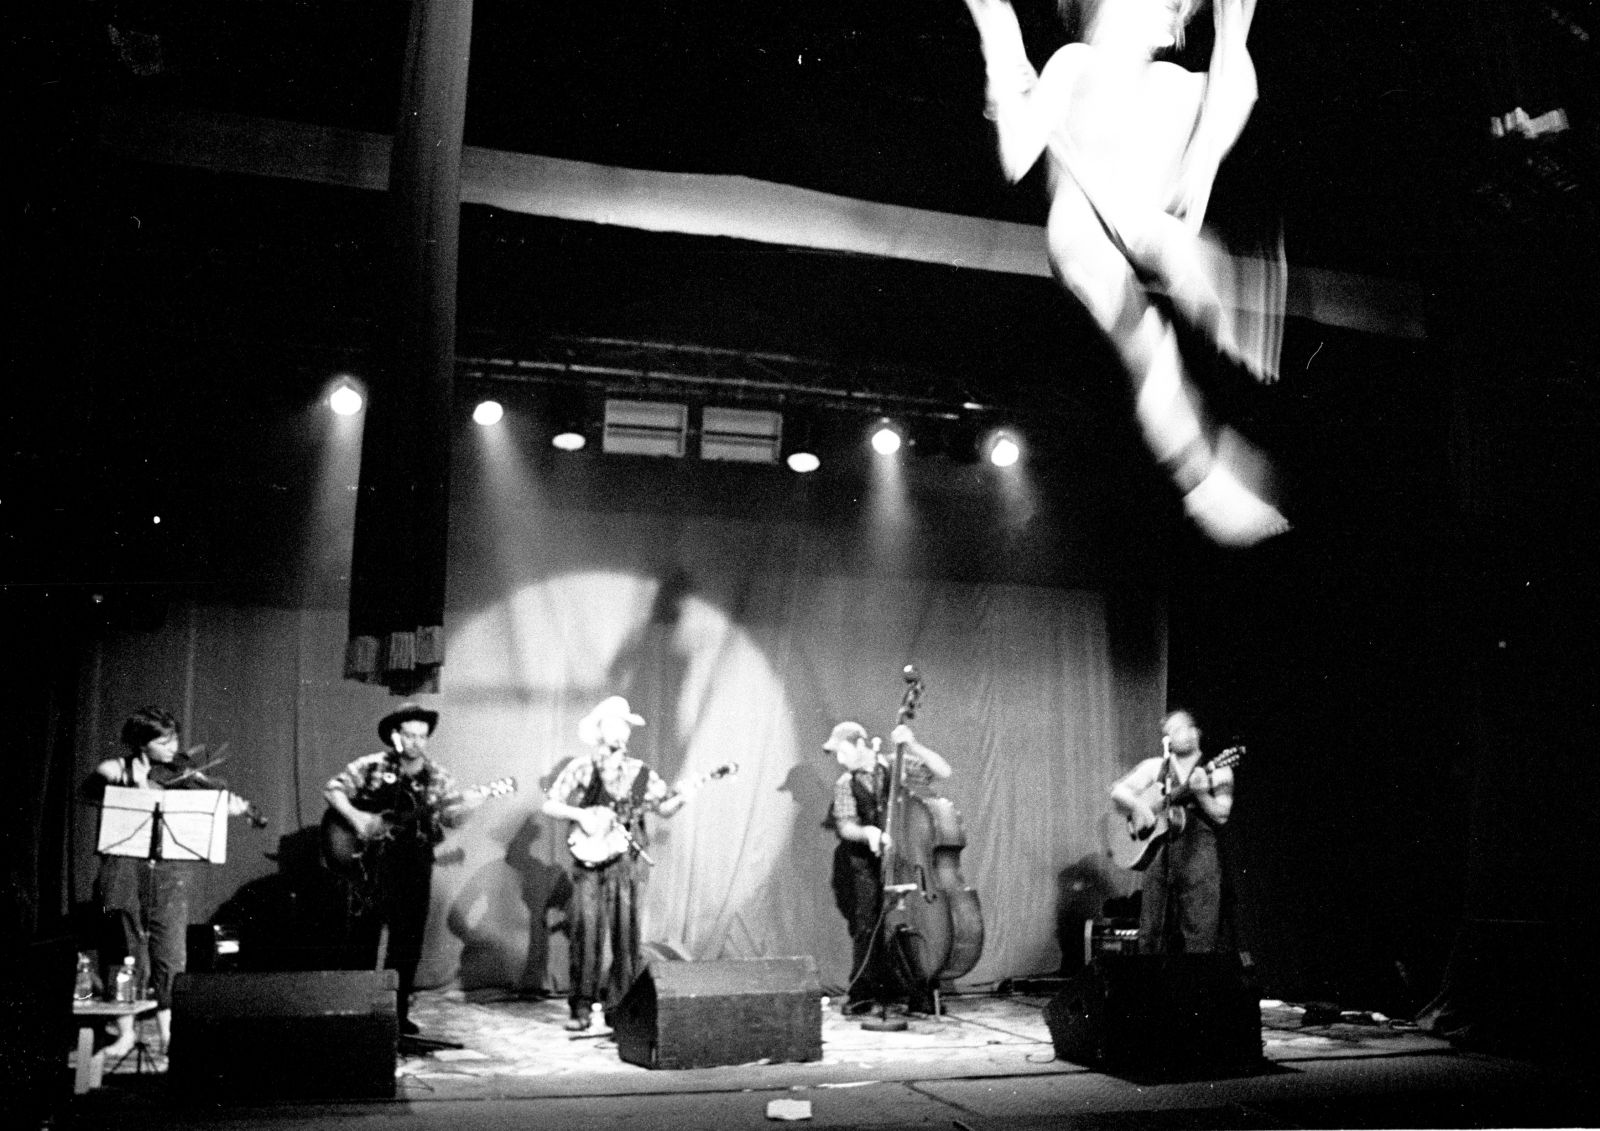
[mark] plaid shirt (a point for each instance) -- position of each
(374, 783)
(616, 776)
(916, 772)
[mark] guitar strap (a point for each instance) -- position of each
(1177, 814)
(414, 818)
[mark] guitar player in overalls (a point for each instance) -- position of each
(400, 801)
(1180, 909)
(606, 796)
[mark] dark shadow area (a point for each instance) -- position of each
(539, 887)
(1082, 891)
(302, 917)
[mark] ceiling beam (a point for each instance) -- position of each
(688, 203)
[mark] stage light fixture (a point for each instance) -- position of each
(740, 435)
(346, 400)
(1004, 449)
(645, 428)
(800, 429)
(487, 413)
(886, 438)
(567, 413)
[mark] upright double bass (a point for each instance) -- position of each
(932, 919)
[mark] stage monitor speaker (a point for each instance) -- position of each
(1159, 1014)
(324, 1034)
(732, 1011)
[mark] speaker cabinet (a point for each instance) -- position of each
(1159, 1014)
(326, 1034)
(703, 1014)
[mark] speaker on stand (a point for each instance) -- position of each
(733, 1011)
(1159, 1014)
(324, 1034)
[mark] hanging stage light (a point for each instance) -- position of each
(567, 411)
(1004, 450)
(886, 438)
(346, 400)
(800, 432)
(487, 413)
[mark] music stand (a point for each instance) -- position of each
(163, 824)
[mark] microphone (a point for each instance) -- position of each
(910, 673)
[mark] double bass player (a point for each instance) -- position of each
(858, 817)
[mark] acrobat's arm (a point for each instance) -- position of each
(1018, 99)
(1231, 92)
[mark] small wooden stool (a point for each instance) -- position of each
(90, 1016)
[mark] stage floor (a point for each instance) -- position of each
(987, 1062)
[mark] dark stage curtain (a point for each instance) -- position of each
(398, 572)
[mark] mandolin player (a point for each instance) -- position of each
(860, 796)
(1180, 909)
(606, 796)
(402, 800)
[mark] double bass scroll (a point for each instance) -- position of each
(933, 918)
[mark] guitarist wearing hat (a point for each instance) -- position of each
(369, 794)
(606, 795)
(1180, 909)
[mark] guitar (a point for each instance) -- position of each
(351, 856)
(1133, 850)
(595, 850)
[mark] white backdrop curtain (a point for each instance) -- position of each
(740, 641)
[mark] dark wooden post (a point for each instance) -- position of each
(397, 580)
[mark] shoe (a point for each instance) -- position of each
(577, 1024)
(857, 1008)
(408, 1028)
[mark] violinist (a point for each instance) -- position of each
(148, 900)
(857, 817)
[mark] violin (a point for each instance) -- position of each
(183, 772)
(934, 918)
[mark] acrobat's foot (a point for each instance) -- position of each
(1229, 512)
(1262, 375)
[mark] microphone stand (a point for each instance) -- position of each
(1164, 942)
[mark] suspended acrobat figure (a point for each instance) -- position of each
(1134, 145)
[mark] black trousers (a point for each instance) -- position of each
(1181, 908)
(858, 893)
(404, 883)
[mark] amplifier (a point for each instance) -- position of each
(1109, 936)
(212, 947)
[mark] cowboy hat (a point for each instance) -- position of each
(614, 707)
(406, 713)
(843, 733)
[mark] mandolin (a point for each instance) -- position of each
(596, 850)
(1135, 850)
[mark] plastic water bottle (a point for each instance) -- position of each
(125, 988)
(83, 988)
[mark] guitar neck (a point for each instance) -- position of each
(704, 780)
(1181, 790)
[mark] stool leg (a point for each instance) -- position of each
(82, 1079)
